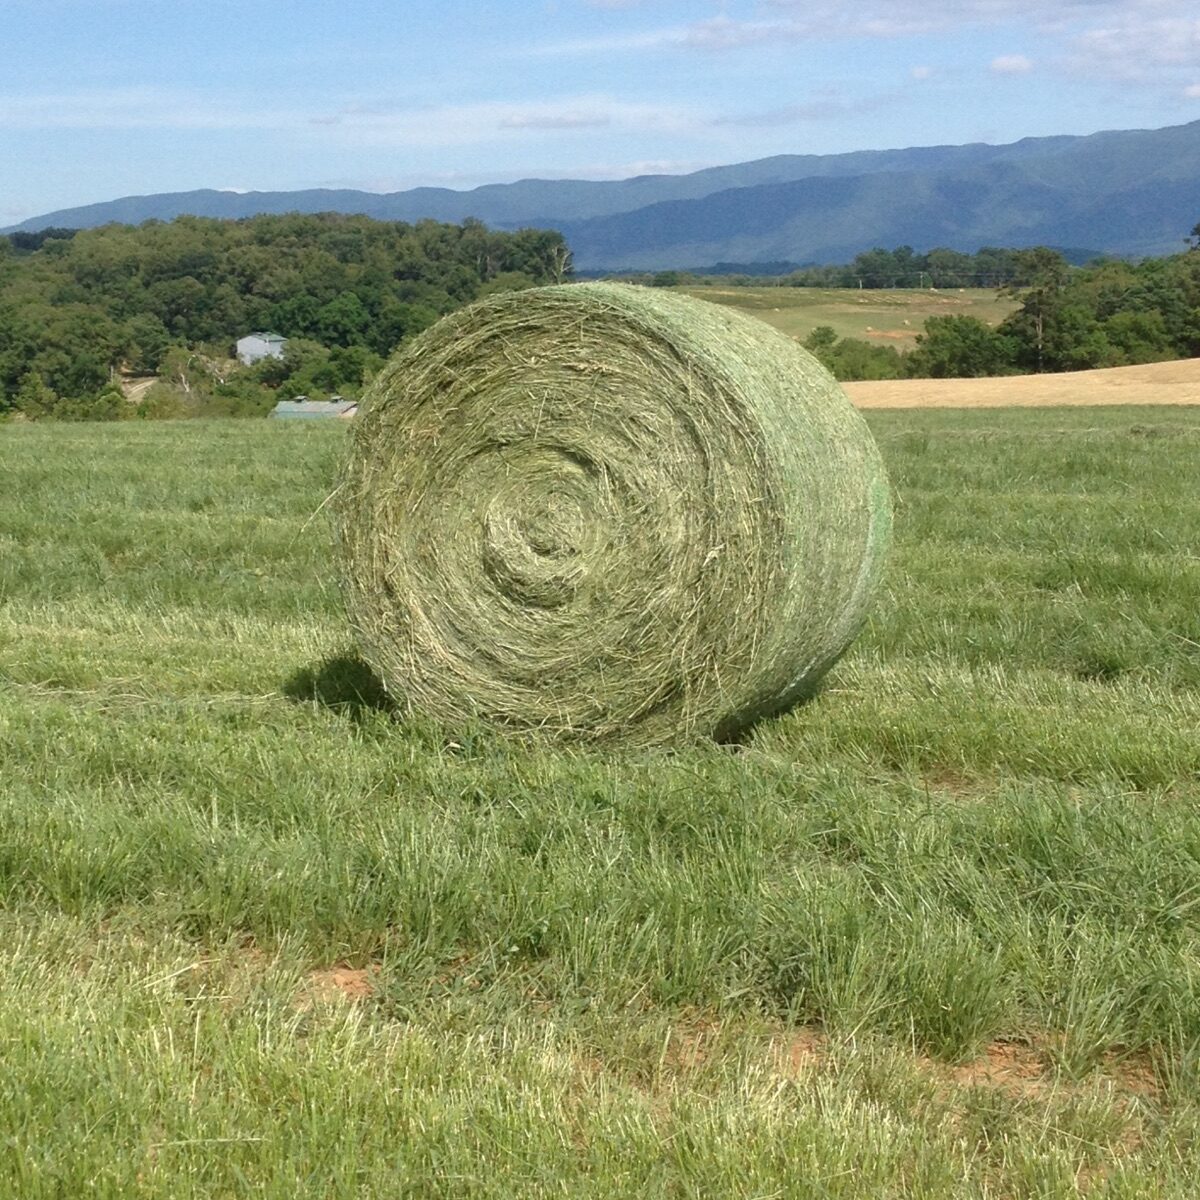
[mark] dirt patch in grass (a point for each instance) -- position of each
(1133, 1076)
(1154, 383)
(804, 1050)
(1009, 1066)
(1018, 1068)
(341, 983)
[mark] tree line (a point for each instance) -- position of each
(903, 267)
(80, 309)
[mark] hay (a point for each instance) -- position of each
(607, 512)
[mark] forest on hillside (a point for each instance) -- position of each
(79, 310)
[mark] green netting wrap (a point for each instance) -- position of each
(610, 513)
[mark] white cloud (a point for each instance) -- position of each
(566, 119)
(374, 123)
(393, 125)
(905, 18)
(723, 33)
(1192, 91)
(824, 106)
(713, 34)
(609, 43)
(135, 108)
(915, 16)
(1107, 35)
(1134, 48)
(921, 72)
(465, 124)
(1012, 64)
(1142, 40)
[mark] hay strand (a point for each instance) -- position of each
(610, 513)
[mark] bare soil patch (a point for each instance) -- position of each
(1008, 1066)
(1019, 1069)
(341, 983)
(135, 387)
(1154, 383)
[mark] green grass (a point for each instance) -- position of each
(886, 317)
(786, 968)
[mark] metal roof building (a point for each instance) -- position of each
(305, 409)
(256, 346)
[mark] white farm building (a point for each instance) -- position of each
(256, 346)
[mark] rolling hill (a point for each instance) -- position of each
(1164, 383)
(1131, 192)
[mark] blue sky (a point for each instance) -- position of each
(104, 98)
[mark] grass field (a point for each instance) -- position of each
(934, 934)
(885, 317)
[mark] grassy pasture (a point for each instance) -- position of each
(887, 317)
(934, 934)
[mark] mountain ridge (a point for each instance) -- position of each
(1129, 192)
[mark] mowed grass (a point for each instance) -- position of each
(886, 317)
(933, 934)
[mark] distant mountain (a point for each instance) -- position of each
(1129, 192)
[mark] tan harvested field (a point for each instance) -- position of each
(1154, 383)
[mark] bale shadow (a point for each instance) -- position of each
(737, 732)
(344, 683)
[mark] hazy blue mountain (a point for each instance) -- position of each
(1124, 192)
(829, 220)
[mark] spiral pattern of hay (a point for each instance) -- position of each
(610, 513)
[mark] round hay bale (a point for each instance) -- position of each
(610, 513)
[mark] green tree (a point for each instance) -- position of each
(343, 321)
(398, 321)
(961, 347)
(109, 405)
(188, 373)
(1041, 274)
(1075, 340)
(162, 402)
(821, 341)
(852, 358)
(875, 268)
(949, 268)
(507, 281)
(1139, 337)
(35, 399)
(146, 343)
